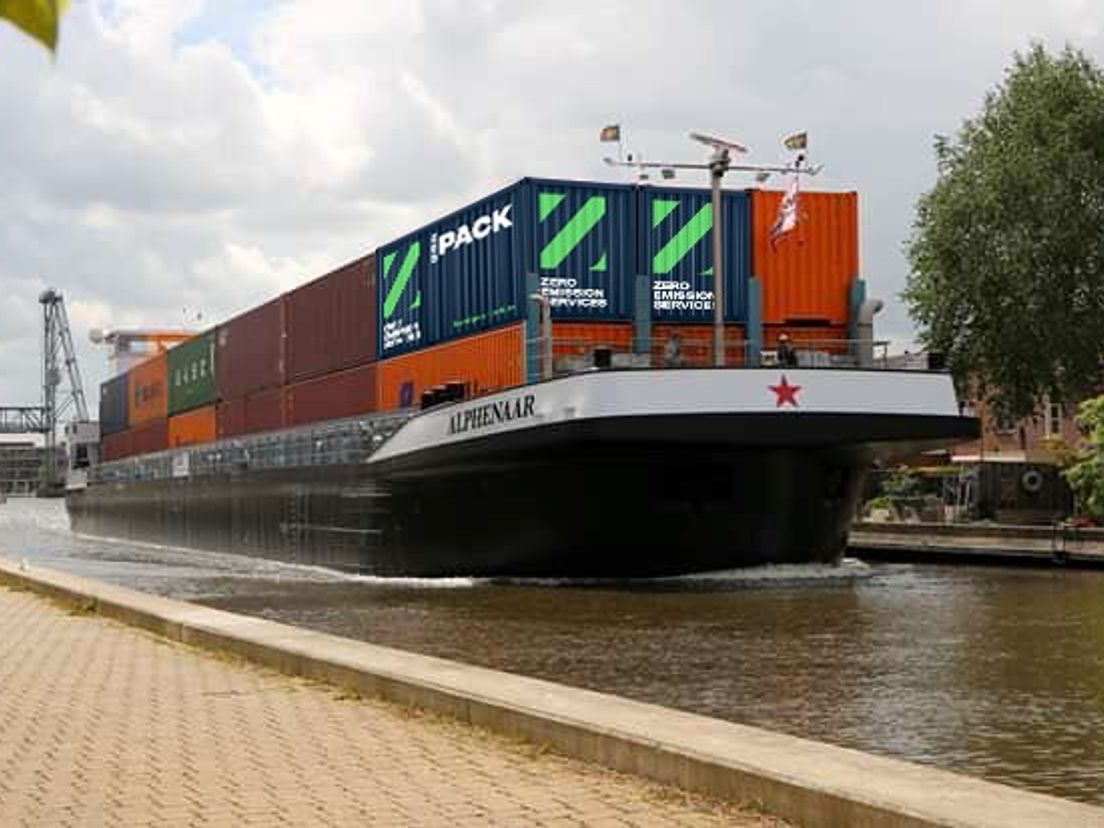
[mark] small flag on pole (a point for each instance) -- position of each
(787, 214)
(797, 141)
(611, 133)
(38, 18)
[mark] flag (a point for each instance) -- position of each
(787, 214)
(611, 133)
(797, 141)
(38, 18)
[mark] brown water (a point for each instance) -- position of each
(997, 673)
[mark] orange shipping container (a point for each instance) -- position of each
(697, 344)
(485, 362)
(193, 428)
(807, 274)
(832, 339)
(576, 339)
(148, 387)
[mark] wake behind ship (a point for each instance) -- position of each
(425, 418)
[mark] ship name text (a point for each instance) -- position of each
(482, 416)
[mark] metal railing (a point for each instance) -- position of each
(338, 442)
(571, 356)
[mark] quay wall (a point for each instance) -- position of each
(806, 782)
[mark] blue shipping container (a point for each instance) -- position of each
(466, 272)
(676, 250)
(114, 415)
(580, 241)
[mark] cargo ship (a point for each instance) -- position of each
(525, 387)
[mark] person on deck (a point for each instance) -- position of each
(787, 356)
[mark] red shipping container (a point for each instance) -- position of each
(250, 352)
(260, 411)
(807, 274)
(142, 439)
(148, 388)
(149, 437)
(330, 397)
(115, 446)
(485, 362)
(331, 322)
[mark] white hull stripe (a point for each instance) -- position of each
(678, 392)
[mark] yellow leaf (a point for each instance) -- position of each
(38, 18)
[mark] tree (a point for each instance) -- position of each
(1007, 251)
(38, 18)
(1086, 476)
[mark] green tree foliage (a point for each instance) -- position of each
(1086, 476)
(1007, 253)
(38, 18)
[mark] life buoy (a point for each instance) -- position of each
(1031, 481)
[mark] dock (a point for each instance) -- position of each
(1057, 545)
(182, 715)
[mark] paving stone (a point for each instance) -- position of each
(104, 724)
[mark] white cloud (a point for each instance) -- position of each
(183, 156)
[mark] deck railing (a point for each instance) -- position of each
(338, 442)
(571, 355)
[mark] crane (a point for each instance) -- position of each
(58, 355)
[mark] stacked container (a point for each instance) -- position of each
(330, 345)
(806, 274)
(193, 391)
(452, 303)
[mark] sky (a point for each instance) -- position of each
(180, 160)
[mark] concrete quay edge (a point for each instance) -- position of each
(809, 783)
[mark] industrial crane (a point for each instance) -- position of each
(58, 355)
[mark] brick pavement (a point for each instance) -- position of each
(102, 724)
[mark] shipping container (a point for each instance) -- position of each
(579, 238)
(676, 250)
(192, 373)
(485, 362)
(145, 438)
(250, 351)
(695, 345)
(149, 437)
(193, 427)
(330, 323)
(114, 415)
(148, 391)
(579, 339)
(114, 446)
(332, 396)
(250, 413)
(814, 344)
(806, 275)
(467, 271)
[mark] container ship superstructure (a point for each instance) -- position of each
(525, 387)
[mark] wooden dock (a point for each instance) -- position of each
(1057, 545)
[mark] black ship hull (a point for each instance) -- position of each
(611, 496)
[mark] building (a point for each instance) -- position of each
(21, 467)
(1012, 473)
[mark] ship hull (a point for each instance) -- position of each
(633, 510)
(567, 480)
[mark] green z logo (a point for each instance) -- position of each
(406, 270)
(692, 232)
(573, 232)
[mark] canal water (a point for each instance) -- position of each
(997, 673)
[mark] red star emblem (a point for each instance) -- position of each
(785, 392)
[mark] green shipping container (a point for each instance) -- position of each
(192, 373)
